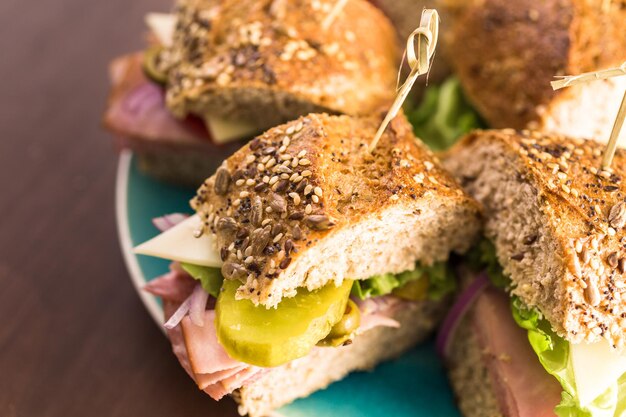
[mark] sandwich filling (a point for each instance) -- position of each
(224, 342)
(592, 377)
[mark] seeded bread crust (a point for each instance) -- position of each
(507, 52)
(269, 61)
(306, 204)
(557, 224)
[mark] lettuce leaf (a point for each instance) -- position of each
(551, 349)
(444, 115)
(441, 281)
(483, 256)
(553, 353)
(210, 278)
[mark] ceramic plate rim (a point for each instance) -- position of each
(123, 232)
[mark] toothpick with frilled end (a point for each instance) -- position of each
(426, 37)
(570, 80)
(333, 13)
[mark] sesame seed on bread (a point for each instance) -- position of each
(269, 61)
(557, 222)
(306, 204)
(506, 53)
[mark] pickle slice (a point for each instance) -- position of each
(271, 337)
(343, 331)
(151, 65)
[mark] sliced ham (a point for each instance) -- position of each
(379, 311)
(136, 109)
(206, 361)
(176, 338)
(370, 321)
(175, 286)
(206, 355)
(522, 385)
(204, 380)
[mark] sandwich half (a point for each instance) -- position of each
(545, 335)
(218, 71)
(506, 53)
(309, 258)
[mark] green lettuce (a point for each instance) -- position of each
(551, 349)
(210, 278)
(444, 115)
(441, 281)
(553, 353)
(483, 256)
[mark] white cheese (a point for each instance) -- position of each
(596, 366)
(162, 25)
(179, 244)
(224, 131)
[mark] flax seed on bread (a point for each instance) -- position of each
(306, 204)
(507, 52)
(269, 61)
(557, 224)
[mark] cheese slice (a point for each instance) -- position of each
(163, 26)
(596, 366)
(224, 131)
(179, 244)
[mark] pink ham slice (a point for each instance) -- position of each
(379, 311)
(206, 355)
(205, 380)
(523, 387)
(174, 286)
(199, 351)
(136, 109)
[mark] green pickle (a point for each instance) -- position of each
(343, 331)
(151, 65)
(271, 337)
(416, 290)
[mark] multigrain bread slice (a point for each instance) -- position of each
(556, 222)
(323, 366)
(469, 376)
(507, 52)
(306, 204)
(269, 61)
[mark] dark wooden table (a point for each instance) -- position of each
(74, 338)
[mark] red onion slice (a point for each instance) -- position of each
(179, 314)
(462, 305)
(168, 221)
(198, 300)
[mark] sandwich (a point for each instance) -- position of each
(540, 332)
(309, 257)
(506, 53)
(218, 72)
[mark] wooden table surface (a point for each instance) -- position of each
(75, 339)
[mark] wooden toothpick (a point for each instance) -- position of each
(609, 152)
(333, 13)
(570, 80)
(426, 35)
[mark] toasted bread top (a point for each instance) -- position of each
(304, 181)
(275, 57)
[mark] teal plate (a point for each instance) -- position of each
(414, 385)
